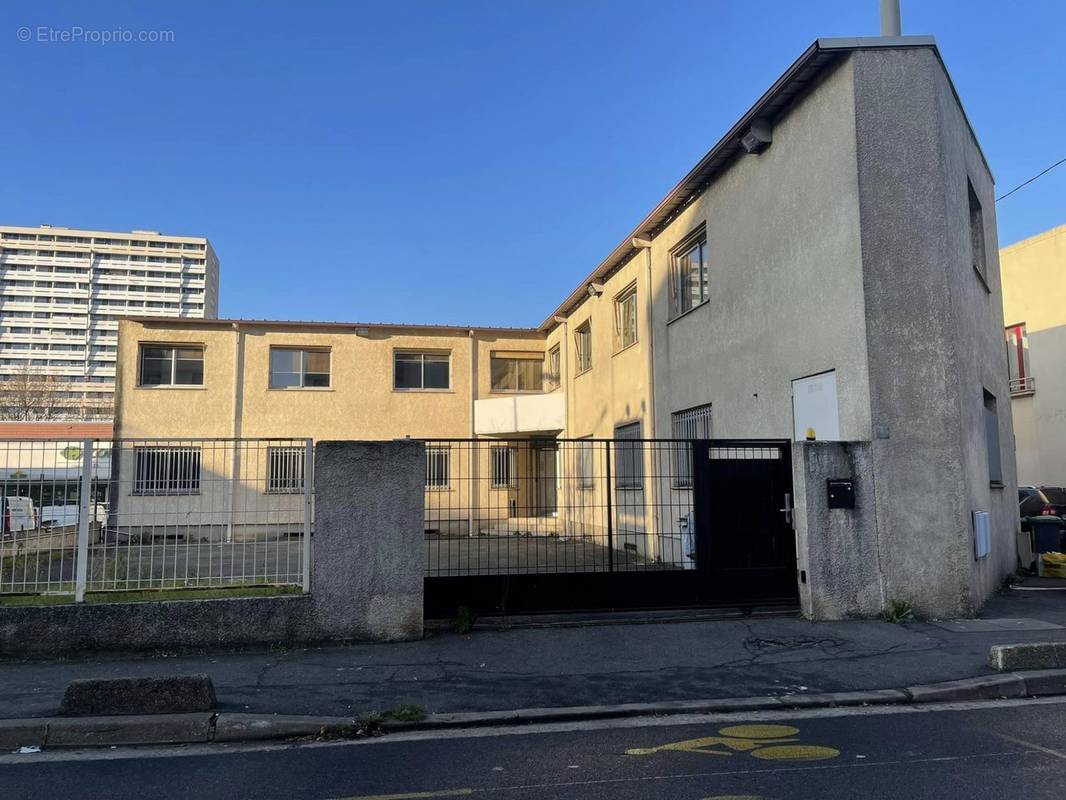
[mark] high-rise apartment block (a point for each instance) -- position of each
(62, 293)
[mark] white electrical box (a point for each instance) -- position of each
(982, 534)
(814, 408)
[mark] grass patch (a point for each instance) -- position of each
(408, 712)
(151, 595)
(463, 621)
(898, 611)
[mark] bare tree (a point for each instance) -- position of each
(30, 396)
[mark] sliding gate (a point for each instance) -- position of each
(538, 525)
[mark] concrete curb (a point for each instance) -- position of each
(238, 727)
(1031, 655)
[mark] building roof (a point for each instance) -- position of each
(774, 104)
(1050, 233)
(60, 230)
(288, 323)
(39, 431)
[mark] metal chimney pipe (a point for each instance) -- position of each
(890, 23)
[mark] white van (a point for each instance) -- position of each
(19, 514)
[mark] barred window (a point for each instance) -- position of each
(166, 470)
(285, 470)
(628, 457)
(438, 467)
(693, 423)
(503, 467)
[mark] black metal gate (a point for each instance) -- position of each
(625, 524)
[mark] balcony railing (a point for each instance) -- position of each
(1024, 385)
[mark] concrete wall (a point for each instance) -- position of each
(934, 333)
(838, 550)
(1034, 294)
(367, 577)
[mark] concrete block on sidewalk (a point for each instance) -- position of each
(1043, 682)
(178, 694)
(16, 733)
(992, 687)
(247, 727)
(1031, 655)
(139, 729)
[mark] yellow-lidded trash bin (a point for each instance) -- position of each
(1052, 565)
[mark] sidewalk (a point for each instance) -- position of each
(577, 666)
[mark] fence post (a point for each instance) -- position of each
(309, 496)
(610, 511)
(81, 558)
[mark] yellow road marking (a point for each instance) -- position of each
(411, 795)
(1041, 748)
(759, 731)
(795, 752)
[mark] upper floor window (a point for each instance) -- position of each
(688, 272)
(171, 365)
(625, 318)
(583, 347)
(977, 234)
(995, 465)
(421, 371)
(297, 368)
(552, 373)
(517, 372)
(1021, 380)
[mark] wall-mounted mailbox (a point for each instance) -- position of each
(840, 492)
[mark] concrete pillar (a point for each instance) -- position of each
(369, 554)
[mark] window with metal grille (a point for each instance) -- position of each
(438, 467)
(628, 457)
(692, 423)
(166, 470)
(503, 467)
(583, 347)
(625, 319)
(586, 464)
(285, 470)
(1021, 381)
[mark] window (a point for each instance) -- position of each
(586, 464)
(421, 371)
(553, 374)
(285, 470)
(693, 423)
(166, 470)
(1021, 381)
(438, 464)
(995, 467)
(628, 457)
(503, 467)
(583, 347)
(517, 372)
(172, 365)
(977, 235)
(625, 319)
(688, 272)
(292, 368)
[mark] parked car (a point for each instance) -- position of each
(19, 514)
(61, 516)
(1049, 501)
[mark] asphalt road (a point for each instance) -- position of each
(973, 751)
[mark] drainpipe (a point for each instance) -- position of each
(645, 245)
(475, 453)
(237, 427)
(890, 20)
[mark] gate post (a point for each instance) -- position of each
(81, 557)
(610, 509)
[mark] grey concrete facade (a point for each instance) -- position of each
(367, 575)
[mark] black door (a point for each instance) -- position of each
(746, 547)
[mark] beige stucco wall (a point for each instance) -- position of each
(1034, 292)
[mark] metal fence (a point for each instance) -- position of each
(154, 514)
(529, 506)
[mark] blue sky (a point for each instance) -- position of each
(452, 161)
